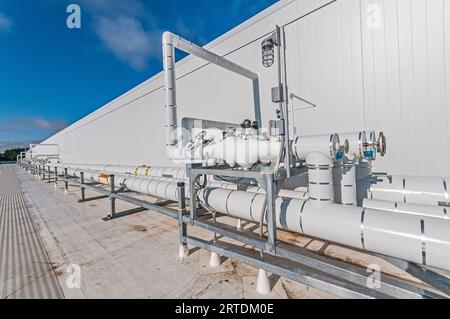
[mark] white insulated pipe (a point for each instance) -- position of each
(328, 145)
(419, 239)
(345, 183)
(244, 151)
(170, 90)
(285, 193)
(159, 187)
(411, 189)
(345, 174)
(413, 209)
(124, 177)
(320, 179)
(165, 187)
(141, 170)
(319, 151)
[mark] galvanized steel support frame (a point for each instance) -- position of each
(340, 278)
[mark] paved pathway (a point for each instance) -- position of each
(25, 268)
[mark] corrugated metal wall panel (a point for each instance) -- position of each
(326, 70)
(446, 67)
(400, 62)
(437, 88)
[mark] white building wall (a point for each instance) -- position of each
(392, 74)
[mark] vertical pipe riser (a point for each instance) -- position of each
(348, 185)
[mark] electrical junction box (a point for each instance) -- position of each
(276, 127)
(277, 94)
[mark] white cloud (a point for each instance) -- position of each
(5, 23)
(8, 145)
(126, 38)
(47, 125)
(26, 125)
(126, 29)
(22, 131)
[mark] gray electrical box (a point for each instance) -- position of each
(277, 94)
(276, 127)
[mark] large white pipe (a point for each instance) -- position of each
(420, 239)
(413, 209)
(345, 174)
(285, 193)
(320, 179)
(345, 183)
(99, 173)
(328, 145)
(319, 151)
(170, 91)
(141, 170)
(165, 188)
(411, 189)
(244, 151)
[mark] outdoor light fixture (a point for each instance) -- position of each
(268, 48)
(268, 53)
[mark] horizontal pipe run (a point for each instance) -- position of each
(118, 195)
(168, 175)
(419, 239)
(134, 170)
(197, 51)
(411, 190)
(411, 209)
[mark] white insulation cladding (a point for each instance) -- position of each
(366, 65)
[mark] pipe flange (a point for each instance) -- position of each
(370, 152)
(381, 144)
(335, 147)
(346, 147)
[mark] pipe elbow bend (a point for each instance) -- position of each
(167, 37)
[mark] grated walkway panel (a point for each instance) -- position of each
(25, 268)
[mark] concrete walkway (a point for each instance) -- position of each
(25, 268)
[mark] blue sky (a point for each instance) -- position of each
(51, 76)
